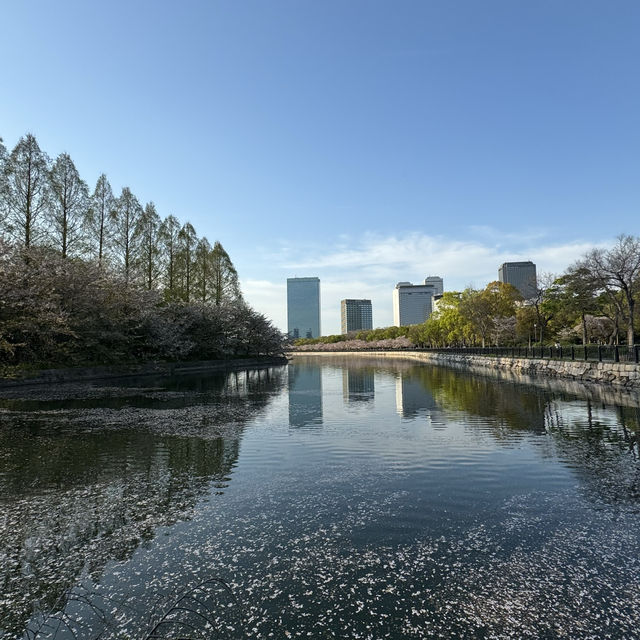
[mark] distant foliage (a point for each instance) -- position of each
(359, 345)
(91, 278)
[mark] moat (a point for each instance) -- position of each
(337, 498)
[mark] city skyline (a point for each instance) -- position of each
(425, 137)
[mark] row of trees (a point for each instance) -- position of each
(45, 202)
(94, 278)
(595, 300)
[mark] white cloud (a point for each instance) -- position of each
(370, 266)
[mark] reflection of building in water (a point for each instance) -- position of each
(357, 385)
(305, 395)
(411, 397)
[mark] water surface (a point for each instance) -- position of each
(337, 498)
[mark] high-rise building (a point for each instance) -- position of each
(522, 275)
(413, 303)
(356, 315)
(437, 283)
(303, 307)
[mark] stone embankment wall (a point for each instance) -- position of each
(52, 376)
(617, 373)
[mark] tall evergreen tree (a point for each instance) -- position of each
(226, 287)
(27, 192)
(187, 240)
(126, 233)
(99, 219)
(3, 187)
(202, 271)
(69, 205)
(149, 227)
(169, 243)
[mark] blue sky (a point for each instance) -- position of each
(362, 142)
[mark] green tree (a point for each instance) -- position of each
(149, 234)
(3, 186)
(69, 205)
(169, 245)
(226, 287)
(575, 295)
(618, 270)
(187, 241)
(481, 309)
(452, 327)
(27, 192)
(99, 218)
(203, 271)
(126, 233)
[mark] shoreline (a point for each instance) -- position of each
(81, 374)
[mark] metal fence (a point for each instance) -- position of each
(588, 353)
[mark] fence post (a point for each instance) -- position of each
(636, 354)
(584, 346)
(616, 354)
(599, 353)
(573, 352)
(560, 349)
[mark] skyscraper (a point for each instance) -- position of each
(437, 283)
(413, 303)
(303, 307)
(356, 315)
(522, 275)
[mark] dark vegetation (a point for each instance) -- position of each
(91, 278)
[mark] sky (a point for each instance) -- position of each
(360, 141)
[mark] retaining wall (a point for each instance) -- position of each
(52, 376)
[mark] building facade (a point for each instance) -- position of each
(413, 303)
(303, 307)
(437, 283)
(356, 315)
(522, 275)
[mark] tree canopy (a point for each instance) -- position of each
(95, 278)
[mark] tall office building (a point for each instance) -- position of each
(522, 275)
(413, 303)
(303, 307)
(356, 315)
(437, 283)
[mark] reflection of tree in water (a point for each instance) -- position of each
(77, 491)
(518, 407)
(601, 445)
